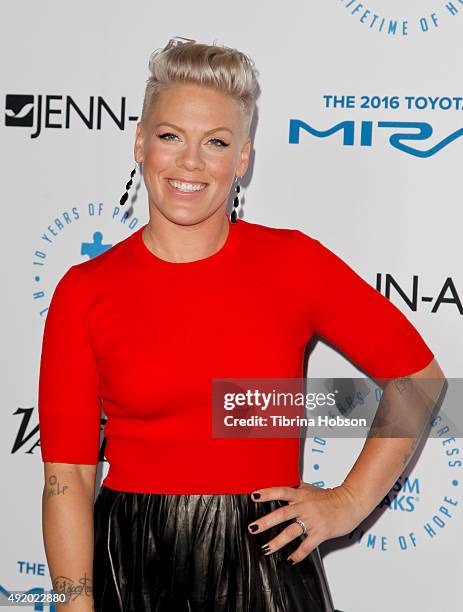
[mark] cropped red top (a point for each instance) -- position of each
(141, 338)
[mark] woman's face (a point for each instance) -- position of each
(192, 147)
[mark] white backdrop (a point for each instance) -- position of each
(386, 204)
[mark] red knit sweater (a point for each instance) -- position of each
(142, 338)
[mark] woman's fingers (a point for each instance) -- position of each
(304, 549)
(289, 533)
(327, 513)
(280, 515)
(284, 513)
(289, 494)
(308, 503)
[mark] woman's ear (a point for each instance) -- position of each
(244, 157)
(139, 140)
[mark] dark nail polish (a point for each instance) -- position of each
(256, 495)
(253, 527)
(289, 561)
(265, 548)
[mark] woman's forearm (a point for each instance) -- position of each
(377, 468)
(404, 412)
(67, 523)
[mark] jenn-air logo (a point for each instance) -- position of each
(44, 112)
(446, 295)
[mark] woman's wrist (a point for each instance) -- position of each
(361, 508)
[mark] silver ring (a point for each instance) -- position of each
(302, 524)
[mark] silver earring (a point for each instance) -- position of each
(236, 201)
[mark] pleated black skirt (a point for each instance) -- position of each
(194, 553)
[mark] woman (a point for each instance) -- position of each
(185, 521)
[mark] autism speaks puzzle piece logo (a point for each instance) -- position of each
(95, 248)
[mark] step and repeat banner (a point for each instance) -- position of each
(357, 141)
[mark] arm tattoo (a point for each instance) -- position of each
(409, 454)
(54, 487)
(73, 589)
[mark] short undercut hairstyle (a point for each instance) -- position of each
(226, 69)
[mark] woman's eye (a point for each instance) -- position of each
(218, 142)
(222, 143)
(167, 134)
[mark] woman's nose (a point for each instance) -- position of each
(190, 158)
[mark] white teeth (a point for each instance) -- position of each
(187, 186)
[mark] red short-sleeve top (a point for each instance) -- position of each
(142, 338)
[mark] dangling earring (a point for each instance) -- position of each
(123, 200)
(236, 202)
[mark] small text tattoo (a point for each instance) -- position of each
(73, 588)
(54, 487)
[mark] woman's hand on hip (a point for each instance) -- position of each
(326, 513)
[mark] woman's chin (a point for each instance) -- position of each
(184, 215)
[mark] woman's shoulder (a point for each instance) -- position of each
(285, 237)
(304, 250)
(80, 278)
(261, 230)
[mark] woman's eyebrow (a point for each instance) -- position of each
(176, 127)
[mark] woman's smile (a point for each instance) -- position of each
(186, 188)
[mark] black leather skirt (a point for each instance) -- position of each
(194, 553)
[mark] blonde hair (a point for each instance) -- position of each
(226, 69)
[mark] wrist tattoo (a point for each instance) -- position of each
(73, 589)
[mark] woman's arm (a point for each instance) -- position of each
(69, 422)
(364, 325)
(404, 411)
(67, 523)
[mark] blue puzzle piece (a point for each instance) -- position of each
(95, 248)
